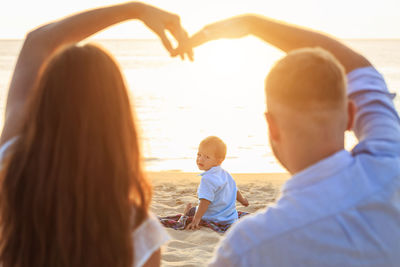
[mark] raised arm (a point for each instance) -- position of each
(375, 118)
(284, 36)
(43, 42)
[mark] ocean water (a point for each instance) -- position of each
(178, 103)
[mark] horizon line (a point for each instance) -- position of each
(156, 39)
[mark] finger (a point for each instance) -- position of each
(184, 50)
(189, 48)
(181, 51)
(181, 36)
(165, 41)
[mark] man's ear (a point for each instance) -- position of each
(351, 113)
(273, 128)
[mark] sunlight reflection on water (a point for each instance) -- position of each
(220, 93)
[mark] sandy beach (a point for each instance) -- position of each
(171, 192)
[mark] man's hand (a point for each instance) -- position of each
(230, 28)
(159, 21)
(235, 27)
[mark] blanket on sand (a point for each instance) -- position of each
(180, 221)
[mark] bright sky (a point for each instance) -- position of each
(342, 18)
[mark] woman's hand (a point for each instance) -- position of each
(159, 21)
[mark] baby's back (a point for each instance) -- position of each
(218, 187)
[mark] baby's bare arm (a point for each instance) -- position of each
(241, 199)
(201, 209)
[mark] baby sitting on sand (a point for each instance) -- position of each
(217, 191)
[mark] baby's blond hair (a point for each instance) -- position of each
(217, 144)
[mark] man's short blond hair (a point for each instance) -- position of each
(217, 144)
(307, 78)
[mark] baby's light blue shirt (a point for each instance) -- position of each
(218, 187)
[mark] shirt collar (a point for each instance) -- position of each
(212, 170)
(321, 170)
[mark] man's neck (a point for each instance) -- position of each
(306, 157)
